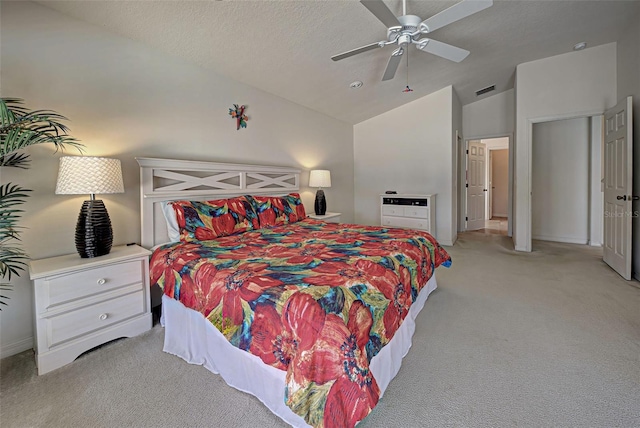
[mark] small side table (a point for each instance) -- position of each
(328, 217)
(82, 303)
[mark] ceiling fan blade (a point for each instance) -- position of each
(444, 50)
(454, 13)
(381, 11)
(353, 52)
(392, 65)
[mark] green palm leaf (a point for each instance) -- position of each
(20, 128)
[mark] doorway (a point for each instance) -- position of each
(566, 188)
(486, 192)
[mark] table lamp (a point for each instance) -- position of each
(320, 178)
(91, 175)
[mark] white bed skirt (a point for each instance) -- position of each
(190, 336)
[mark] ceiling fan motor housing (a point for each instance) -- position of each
(404, 34)
(409, 22)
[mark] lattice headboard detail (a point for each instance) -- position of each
(167, 179)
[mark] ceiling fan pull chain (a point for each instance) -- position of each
(407, 89)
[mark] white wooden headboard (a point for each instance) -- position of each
(168, 179)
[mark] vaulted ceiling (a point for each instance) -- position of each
(284, 47)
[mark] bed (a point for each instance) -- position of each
(312, 318)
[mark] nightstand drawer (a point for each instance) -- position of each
(81, 321)
(73, 286)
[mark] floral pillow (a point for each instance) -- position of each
(204, 220)
(278, 210)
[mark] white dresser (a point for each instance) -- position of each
(82, 303)
(413, 211)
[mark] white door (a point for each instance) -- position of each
(618, 168)
(476, 190)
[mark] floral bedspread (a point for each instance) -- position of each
(317, 300)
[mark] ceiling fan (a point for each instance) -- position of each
(410, 29)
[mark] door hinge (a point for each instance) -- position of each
(467, 151)
(466, 185)
(466, 219)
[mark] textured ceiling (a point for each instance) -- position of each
(284, 47)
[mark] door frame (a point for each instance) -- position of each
(588, 194)
(462, 180)
(524, 214)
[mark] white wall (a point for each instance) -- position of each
(629, 84)
(126, 100)
(575, 84)
(490, 117)
(407, 149)
(560, 181)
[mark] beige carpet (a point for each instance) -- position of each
(546, 339)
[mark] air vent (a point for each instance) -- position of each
(485, 90)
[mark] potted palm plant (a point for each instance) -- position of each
(20, 128)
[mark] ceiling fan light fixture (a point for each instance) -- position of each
(579, 46)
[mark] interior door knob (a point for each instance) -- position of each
(635, 198)
(621, 198)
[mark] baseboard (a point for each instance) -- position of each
(498, 215)
(16, 347)
(563, 239)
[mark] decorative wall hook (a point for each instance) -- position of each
(237, 112)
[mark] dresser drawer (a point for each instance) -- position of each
(76, 285)
(81, 321)
(416, 212)
(410, 223)
(392, 210)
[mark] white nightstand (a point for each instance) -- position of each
(328, 217)
(82, 303)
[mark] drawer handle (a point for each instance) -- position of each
(104, 316)
(102, 281)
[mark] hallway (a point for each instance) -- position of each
(495, 226)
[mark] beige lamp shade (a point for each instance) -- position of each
(89, 175)
(320, 178)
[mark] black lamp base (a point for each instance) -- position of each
(320, 205)
(94, 235)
